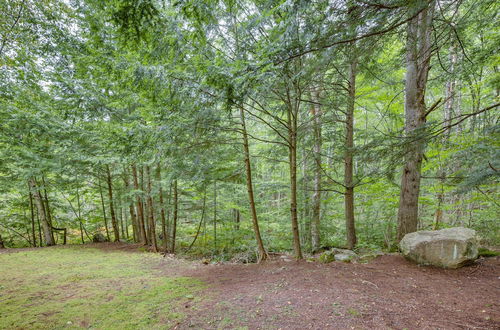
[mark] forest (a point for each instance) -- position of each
(241, 130)
(224, 127)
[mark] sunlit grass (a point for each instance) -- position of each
(88, 288)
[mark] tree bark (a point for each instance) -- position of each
(162, 209)
(152, 225)
(174, 220)
(47, 208)
(316, 214)
(133, 219)
(145, 209)
(418, 54)
(348, 159)
(248, 170)
(114, 222)
(215, 217)
(140, 211)
(32, 212)
(103, 210)
(292, 114)
(47, 228)
(201, 220)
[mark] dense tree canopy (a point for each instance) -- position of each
(219, 127)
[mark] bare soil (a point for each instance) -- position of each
(387, 293)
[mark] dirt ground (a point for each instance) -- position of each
(387, 293)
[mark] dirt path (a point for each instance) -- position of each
(387, 293)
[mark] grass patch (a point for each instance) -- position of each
(75, 287)
(483, 252)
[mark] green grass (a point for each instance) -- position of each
(77, 287)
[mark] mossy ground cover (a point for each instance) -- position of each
(75, 287)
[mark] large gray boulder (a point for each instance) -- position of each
(447, 248)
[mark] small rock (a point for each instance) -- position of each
(343, 257)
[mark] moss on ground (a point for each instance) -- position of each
(75, 287)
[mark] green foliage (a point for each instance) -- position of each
(90, 84)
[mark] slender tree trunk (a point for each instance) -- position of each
(248, 168)
(122, 221)
(2, 246)
(152, 225)
(292, 147)
(114, 222)
(145, 208)
(418, 54)
(103, 210)
(215, 217)
(47, 228)
(201, 220)
(315, 223)
(133, 219)
(162, 208)
(140, 211)
(169, 211)
(47, 208)
(174, 221)
(348, 159)
(449, 106)
(237, 219)
(32, 211)
(39, 229)
(79, 206)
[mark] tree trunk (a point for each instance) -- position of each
(152, 225)
(315, 223)
(292, 148)
(2, 246)
(201, 220)
(449, 112)
(237, 219)
(47, 228)
(215, 217)
(103, 210)
(145, 208)
(47, 208)
(248, 170)
(162, 209)
(174, 220)
(114, 222)
(348, 159)
(32, 211)
(418, 54)
(140, 211)
(133, 219)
